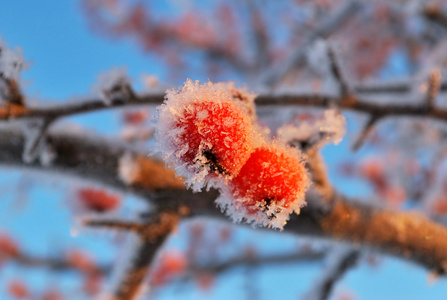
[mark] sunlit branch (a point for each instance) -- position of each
(152, 237)
(404, 234)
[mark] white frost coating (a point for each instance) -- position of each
(331, 272)
(113, 85)
(330, 129)
(122, 264)
(35, 141)
(128, 168)
(241, 96)
(11, 62)
(317, 57)
(274, 215)
(167, 133)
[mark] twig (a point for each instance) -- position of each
(434, 13)
(365, 132)
(336, 72)
(13, 94)
(115, 225)
(320, 179)
(55, 264)
(357, 105)
(260, 34)
(300, 256)
(152, 237)
(325, 29)
(339, 262)
(434, 82)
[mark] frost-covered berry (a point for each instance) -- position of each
(203, 133)
(269, 187)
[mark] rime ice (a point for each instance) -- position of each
(11, 62)
(329, 129)
(113, 85)
(203, 133)
(269, 187)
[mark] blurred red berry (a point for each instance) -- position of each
(98, 200)
(205, 281)
(52, 295)
(135, 117)
(80, 260)
(18, 290)
(439, 205)
(171, 263)
(8, 247)
(92, 283)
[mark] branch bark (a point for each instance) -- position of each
(356, 103)
(407, 235)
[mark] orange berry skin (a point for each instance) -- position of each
(220, 132)
(270, 175)
(204, 133)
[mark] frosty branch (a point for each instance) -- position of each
(404, 234)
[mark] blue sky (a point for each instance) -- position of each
(65, 58)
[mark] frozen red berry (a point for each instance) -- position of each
(203, 133)
(269, 187)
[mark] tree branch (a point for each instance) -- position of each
(55, 264)
(325, 29)
(152, 238)
(338, 262)
(373, 120)
(355, 103)
(407, 235)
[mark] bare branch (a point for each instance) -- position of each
(365, 132)
(336, 72)
(54, 264)
(152, 236)
(338, 262)
(11, 94)
(325, 29)
(260, 34)
(115, 225)
(320, 178)
(260, 261)
(403, 234)
(356, 103)
(434, 82)
(434, 13)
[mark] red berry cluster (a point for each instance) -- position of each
(207, 134)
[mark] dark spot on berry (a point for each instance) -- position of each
(214, 163)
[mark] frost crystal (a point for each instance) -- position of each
(269, 187)
(203, 133)
(329, 129)
(36, 145)
(113, 86)
(128, 169)
(11, 62)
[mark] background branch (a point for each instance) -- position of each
(338, 263)
(407, 235)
